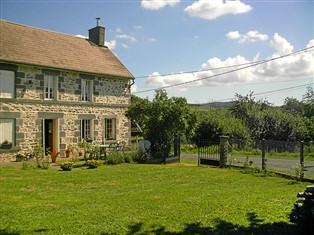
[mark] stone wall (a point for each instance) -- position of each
(110, 99)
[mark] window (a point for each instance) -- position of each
(86, 90)
(110, 129)
(7, 130)
(49, 87)
(6, 84)
(86, 129)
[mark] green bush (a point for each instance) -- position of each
(114, 158)
(128, 158)
(141, 156)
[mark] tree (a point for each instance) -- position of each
(208, 129)
(293, 106)
(308, 100)
(162, 119)
(249, 111)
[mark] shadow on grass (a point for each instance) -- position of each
(222, 227)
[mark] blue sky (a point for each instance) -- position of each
(154, 38)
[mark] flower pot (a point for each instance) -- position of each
(54, 159)
(67, 168)
(19, 159)
(67, 153)
(92, 167)
(6, 146)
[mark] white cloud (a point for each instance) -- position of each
(124, 45)
(138, 27)
(251, 36)
(157, 4)
(111, 44)
(155, 79)
(281, 44)
(294, 66)
(127, 37)
(134, 88)
(81, 36)
(297, 66)
(233, 35)
(152, 39)
(118, 30)
(213, 9)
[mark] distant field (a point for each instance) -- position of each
(144, 199)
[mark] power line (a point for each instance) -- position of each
(196, 71)
(230, 71)
(268, 92)
(260, 83)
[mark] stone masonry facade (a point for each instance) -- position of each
(110, 98)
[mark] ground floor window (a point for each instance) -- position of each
(86, 129)
(110, 129)
(7, 130)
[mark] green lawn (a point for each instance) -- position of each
(144, 199)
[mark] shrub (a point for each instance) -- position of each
(114, 159)
(141, 155)
(128, 158)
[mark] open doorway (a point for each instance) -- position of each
(50, 134)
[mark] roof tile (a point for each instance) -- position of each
(24, 44)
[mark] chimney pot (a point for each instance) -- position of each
(98, 21)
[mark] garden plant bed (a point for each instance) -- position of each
(145, 199)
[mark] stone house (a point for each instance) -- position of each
(60, 89)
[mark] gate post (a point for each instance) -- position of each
(263, 156)
(224, 144)
(176, 146)
(302, 159)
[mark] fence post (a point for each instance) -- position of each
(263, 155)
(176, 147)
(302, 159)
(224, 144)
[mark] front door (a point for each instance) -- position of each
(49, 134)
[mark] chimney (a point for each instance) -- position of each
(97, 34)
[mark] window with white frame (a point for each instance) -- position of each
(7, 84)
(86, 129)
(49, 86)
(110, 128)
(7, 130)
(86, 90)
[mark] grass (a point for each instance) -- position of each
(144, 199)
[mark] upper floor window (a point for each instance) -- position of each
(50, 84)
(86, 90)
(6, 84)
(7, 130)
(110, 129)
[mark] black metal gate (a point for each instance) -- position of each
(208, 152)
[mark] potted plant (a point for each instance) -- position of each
(70, 150)
(82, 147)
(67, 153)
(66, 166)
(54, 155)
(20, 156)
(92, 164)
(6, 144)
